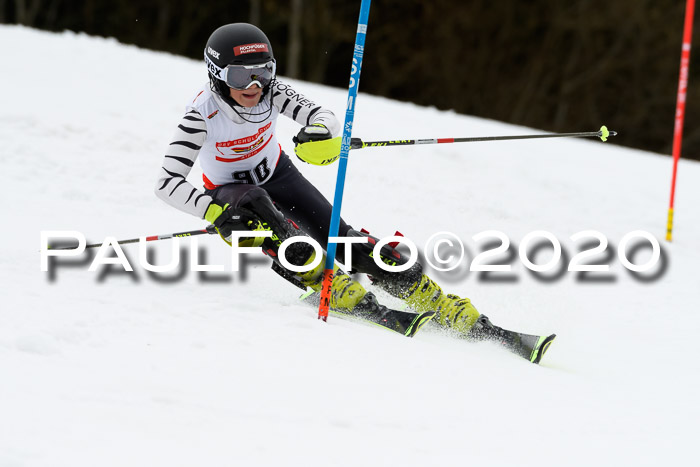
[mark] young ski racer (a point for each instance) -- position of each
(251, 184)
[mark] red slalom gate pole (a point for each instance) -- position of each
(680, 108)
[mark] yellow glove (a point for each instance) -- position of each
(226, 219)
(220, 217)
(314, 144)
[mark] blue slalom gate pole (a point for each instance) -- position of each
(343, 162)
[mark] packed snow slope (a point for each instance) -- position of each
(115, 368)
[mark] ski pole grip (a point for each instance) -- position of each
(356, 143)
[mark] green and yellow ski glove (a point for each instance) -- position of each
(315, 145)
(221, 218)
(226, 219)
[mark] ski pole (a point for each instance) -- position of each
(603, 134)
(210, 229)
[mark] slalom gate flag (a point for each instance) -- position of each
(680, 108)
(343, 163)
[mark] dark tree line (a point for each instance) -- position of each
(549, 64)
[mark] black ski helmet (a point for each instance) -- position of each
(235, 44)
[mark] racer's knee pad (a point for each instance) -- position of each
(267, 217)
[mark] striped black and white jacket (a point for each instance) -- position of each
(230, 148)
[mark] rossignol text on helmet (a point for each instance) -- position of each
(238, 56)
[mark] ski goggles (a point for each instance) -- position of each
(242, 77)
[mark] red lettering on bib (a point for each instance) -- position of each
(223, 146)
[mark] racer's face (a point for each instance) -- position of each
(247, 97)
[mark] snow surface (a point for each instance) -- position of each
(112, 368)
